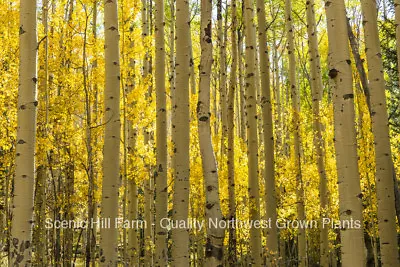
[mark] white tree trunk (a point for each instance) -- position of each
(295, 98)
(161, 253)
(111, 179)
(384, 171)
(266, 105)
(316, 94)
(22, 206)
(215, 235)
(180, 237)
(232, 257)
(350, 207)
(252, 141)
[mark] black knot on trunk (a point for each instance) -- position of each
(333, 73)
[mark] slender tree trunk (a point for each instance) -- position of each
(148, 212)
(215, 235)
(397, 20)
(68, 234)
(147, 79)
(89, 149)
(133, 243)
(92, 206)
(316, 91)
(161, 254)
(109, 236)
(282, 250)
(40, 216)
(180, 237)
(41, 176)
(269, 172)
(22, 207)
(191, 65)
(241, 88)
(350, 208)
(172, 88)
(380, 128)
(171, 76)
(232, 258)
(295, 97)
(3, 207)
(125, 130)
(396, 194)
(359, 64)
(222, 75)
(277, 97)
(252, 141)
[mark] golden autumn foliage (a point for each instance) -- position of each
(75, 65)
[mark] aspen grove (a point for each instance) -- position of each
(200, 133)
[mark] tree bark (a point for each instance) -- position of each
(384, 171)
(161, 253)
(350, 208)
(180, 237)
(252, 141)
(89, 148)
(269, 160)
(22, 207)
(221, 37)
(232, 258)
(215, 235)
(241, 88)
(295, 98)
(359, 64)
(111, 179)
(40, 216)
(397, 20)
(316, 94)
(68, 234)
(133, 242)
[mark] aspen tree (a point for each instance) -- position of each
(397, 23)
(215, 235)
(92, 209)
(124, 175)
(359, 65)
(89, 148)
(161, 253)
(133, 242)
(109, 236)
(39, 233)
(350, 208)
(22, 205)
(277, 95)
(171, 79)
(191, 65)
(68, 234)
(295, 98)
(40, 216)
(383, 155)
(221, 35)
(147, 184)
(125, 135)
(252, 140)
(269, 172)
(148, 208)
(180, 236)
(231, 136)
(397, 20)
(241, 86)
(316, 94)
